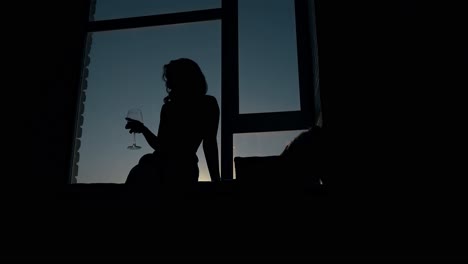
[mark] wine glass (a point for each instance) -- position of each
(135, 114)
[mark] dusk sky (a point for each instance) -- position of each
(126, 67)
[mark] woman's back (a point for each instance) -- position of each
(185, 123)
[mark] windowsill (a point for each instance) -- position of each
(120, 190)
(202, 190)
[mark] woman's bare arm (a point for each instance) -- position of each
(210, 148)
(210, 144)
(151, 138)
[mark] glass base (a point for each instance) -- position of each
(133, 147)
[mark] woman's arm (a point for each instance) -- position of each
(151, 138)
(210, 148)
(210, 144)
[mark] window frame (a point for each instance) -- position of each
(232, 122)
(307, 56)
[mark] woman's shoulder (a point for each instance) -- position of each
(210, 101)
(210, 98)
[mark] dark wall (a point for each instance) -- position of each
(391, 75)
(59, 44)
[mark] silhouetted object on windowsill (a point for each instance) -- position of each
(188, 117)
(297, 170)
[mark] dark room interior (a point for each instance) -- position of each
(392, 154)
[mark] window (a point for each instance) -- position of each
(115, 9)
(125, 72)
(277, 45)
(123, 63)
(262, 144)
(268, 69)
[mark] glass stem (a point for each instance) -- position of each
(134, 139)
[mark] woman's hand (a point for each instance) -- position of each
(135, 126)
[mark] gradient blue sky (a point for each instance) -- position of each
(125, 72)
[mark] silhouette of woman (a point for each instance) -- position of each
(188, 117)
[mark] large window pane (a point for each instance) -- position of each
(112, 9)
(268, 71)
(125, 72)
(263, 144)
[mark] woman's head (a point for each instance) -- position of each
(183, 78)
